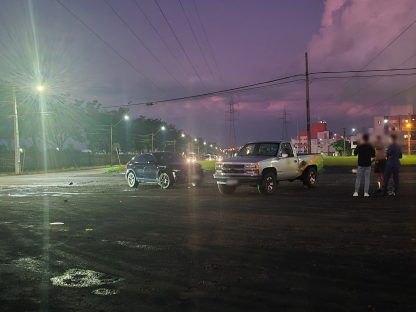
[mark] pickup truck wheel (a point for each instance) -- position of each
(131, 180)
(268, 184)
(310, 177)
(166, 180)
(226, 189)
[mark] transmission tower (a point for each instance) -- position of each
(230, 120)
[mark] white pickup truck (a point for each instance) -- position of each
(264, 164)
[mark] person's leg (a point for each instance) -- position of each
(387, 174)
(358, 178)
(396, 179)
(367, 174)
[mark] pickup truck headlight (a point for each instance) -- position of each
(218, 166)
(252, 168)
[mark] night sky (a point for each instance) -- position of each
(246, 42)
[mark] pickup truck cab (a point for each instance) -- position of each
(264, 164)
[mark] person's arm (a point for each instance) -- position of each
(356, 150)
(388, 152)
(400, 153)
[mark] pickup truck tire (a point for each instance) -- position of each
(310, 176)
(166, 180)
(131, 180)
(226, 189)
(268, 185)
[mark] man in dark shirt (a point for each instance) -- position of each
(394, 154)
(365, 152)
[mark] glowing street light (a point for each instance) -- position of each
(40, 88)
(162, 128)
(195, 140)
(386, 121)
(408, 127)
(183, 135)
(353, 129)
(125, 118)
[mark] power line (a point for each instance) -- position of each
(390, 43)
(211, 51)
(127, 25)
(160, 36)
(179, 42)
(367, 76)
(106, 43)
(213, 92)
(196, 38)
(270, 83)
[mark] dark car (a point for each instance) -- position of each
(162, 168)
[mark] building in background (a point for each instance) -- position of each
(321, 139)
(402, 125)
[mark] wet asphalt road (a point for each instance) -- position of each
(96, 245)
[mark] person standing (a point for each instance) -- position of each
(380, 164)
(394, 154)
(365, 152)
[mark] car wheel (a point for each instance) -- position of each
(268, 184)
(165, 180)
(310, 177)
(226, 189)
(131, 180)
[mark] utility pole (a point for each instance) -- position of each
(345, 142)
(308, 110)
(111, 143)
(153, 135)
(16, 136)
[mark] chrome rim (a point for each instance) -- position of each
(269, 184)
(164, 180)
(131, 179)
(312, 177)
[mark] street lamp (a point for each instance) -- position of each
(162, 128)
(40, 88)
(408, 127)
(125, 118)
(183, 135)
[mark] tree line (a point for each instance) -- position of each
(62, 122)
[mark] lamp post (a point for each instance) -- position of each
(163, 128)
(408, 127)
(16, 136)
(125, 117)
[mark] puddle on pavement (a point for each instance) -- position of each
(138, 246)
(105, 292)
(79, 278)
(29, 264)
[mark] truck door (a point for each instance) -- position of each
(287, 168)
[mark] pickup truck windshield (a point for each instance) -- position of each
(259, 149)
